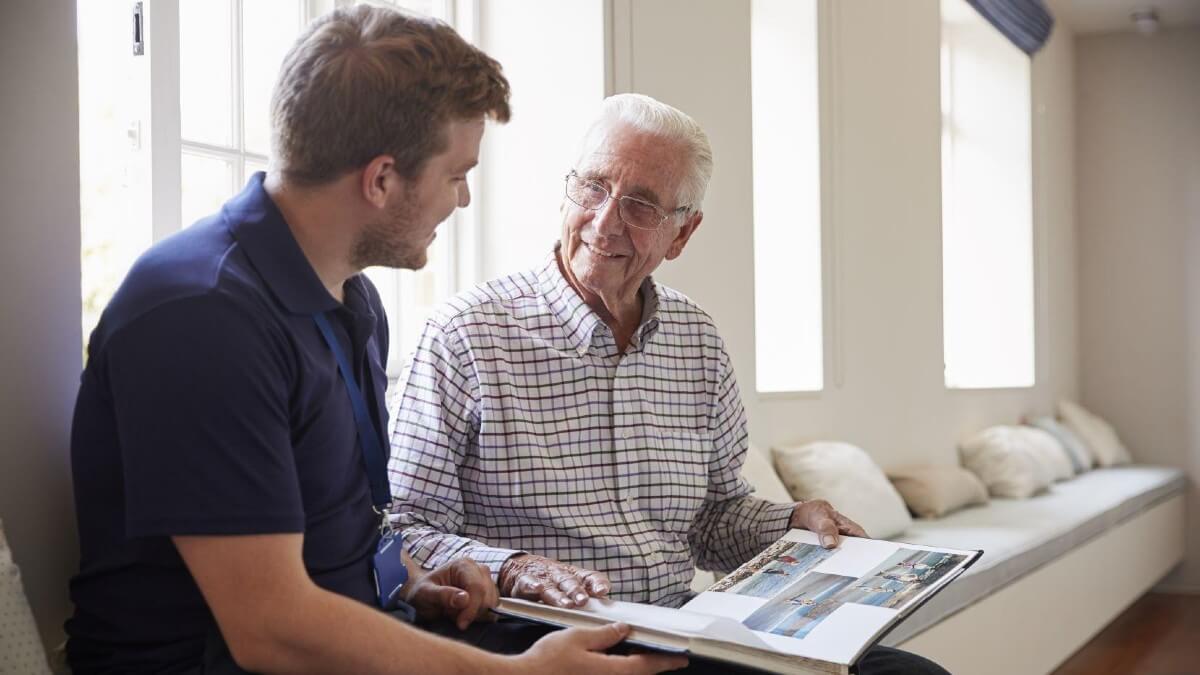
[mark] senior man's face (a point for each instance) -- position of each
(605, 258)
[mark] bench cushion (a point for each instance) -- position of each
(1020, 535)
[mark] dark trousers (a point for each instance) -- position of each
(513, 636)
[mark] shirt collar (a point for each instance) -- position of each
(579, 321)
(259, 228)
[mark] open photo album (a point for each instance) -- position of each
(794, 608)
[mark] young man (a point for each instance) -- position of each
(228, 474)
(578, 427)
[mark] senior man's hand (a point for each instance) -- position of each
(461, 590)
(819, 517)
(532, 577)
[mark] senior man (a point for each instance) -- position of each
(578, 428)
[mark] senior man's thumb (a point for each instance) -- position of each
(827, 530)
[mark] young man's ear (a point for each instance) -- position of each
(690, 223)
(378, 178)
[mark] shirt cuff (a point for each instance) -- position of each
(776, 521)
(491, 557)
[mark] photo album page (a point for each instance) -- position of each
(824, 604)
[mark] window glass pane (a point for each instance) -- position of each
(206, 71)
(987, 205)
(114, 167)
(207, 184)
(787, 196)
(269, 27)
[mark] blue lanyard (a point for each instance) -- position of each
(368, 435)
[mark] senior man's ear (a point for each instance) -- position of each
(685, 232)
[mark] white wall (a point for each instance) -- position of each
(1139, 242)
(553, 55)
(40, 343)
(884, 386)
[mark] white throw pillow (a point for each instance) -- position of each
(1047, 450)
(847, 478)
(1003, 460)
(1099, 436)
(20, 646)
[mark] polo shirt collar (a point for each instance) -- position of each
(259, 228)
(579, 321)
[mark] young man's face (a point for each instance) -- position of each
(402, 237)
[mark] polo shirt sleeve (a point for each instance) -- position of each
(733, 525)
(199, 389)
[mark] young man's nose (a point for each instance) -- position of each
(464, 195)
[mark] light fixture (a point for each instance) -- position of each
(1145, 21)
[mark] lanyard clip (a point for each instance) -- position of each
(385, 517)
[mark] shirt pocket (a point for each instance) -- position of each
(677, 480)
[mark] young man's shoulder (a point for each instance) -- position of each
(188, 276)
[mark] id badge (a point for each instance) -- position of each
(389, 570)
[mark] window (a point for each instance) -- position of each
(987, 211)
(787, 196)
(166, 138)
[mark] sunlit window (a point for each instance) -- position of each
(787, 196)
(228, 54)
(987, 212)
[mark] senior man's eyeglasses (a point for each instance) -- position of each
(634, 212)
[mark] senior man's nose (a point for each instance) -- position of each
(608, 219)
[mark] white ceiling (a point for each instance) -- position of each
(1098, 16)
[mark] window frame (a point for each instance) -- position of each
(459, 236)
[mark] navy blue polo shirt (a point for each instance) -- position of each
(211, 405)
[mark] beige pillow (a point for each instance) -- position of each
(1099, 436)
(1002, 459)
(847, 478)
(933, 490)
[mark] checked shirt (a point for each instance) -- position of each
(519, 426)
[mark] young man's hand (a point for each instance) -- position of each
(820, 517)
(532, 577)
(579, 651)
(461, 591)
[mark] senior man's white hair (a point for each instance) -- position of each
(649, 115)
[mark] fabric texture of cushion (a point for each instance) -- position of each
(1077, 452)
(1002, 458)
(1020, 536)
(1047, 450)
(933, 490)
(847, 478)
(20, 646)
(1099, 436)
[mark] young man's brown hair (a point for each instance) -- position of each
(367, 81)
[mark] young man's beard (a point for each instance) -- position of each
(389, 243)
